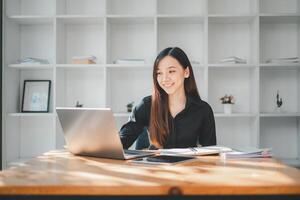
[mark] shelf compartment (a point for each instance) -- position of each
(131, 7)
(41, 129)
(29, 40)
(288, 84)
(237, 132)
(81, 7)
(87, 86)
(15, 83)
(279, 6)
(232, 36)
(279, 37)
(30, 7)
(236, 7)
(126, 39)
(186, 33)
(124, 86)
(181, 7)
(22, 130)
(243, 87)
(277, 133)
(78, 36)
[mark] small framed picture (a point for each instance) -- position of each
(36, 96)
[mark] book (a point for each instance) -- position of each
(31, 60)
(84, 59)
(233, 59)
(283, 60)
(89, 57)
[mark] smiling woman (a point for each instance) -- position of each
(174, 115)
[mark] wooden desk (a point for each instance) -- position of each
(59, 172)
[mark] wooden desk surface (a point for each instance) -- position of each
(59, 172)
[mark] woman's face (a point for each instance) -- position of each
(171, 75)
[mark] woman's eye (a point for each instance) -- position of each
(158, 73)
(172, 71)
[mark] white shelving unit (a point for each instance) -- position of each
(208, 31)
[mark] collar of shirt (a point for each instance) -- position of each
(190, 100)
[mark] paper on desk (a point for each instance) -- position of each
(248, 152)
(199, 151)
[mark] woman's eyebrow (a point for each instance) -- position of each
(170, 67)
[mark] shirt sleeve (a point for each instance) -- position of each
(208, 133)
(138, 119)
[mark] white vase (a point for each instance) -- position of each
(227, 108)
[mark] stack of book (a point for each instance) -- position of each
(30, 60)
(233, 60)
(283, 60)
(84, 59)
(130, 62)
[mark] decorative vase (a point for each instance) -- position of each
(227, 108)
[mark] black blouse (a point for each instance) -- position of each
(195, 124)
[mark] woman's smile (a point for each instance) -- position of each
(167, 85)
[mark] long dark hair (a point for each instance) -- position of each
(159, 125)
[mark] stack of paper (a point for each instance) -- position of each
(247, 152)
(197, 151)
(283, 60)
(233, 60)
(84, 59)
(30, 60)
(130, 61)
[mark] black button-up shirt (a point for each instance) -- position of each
(195, 124)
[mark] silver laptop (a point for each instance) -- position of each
(92, 132)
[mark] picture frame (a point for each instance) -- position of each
(36, 96)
